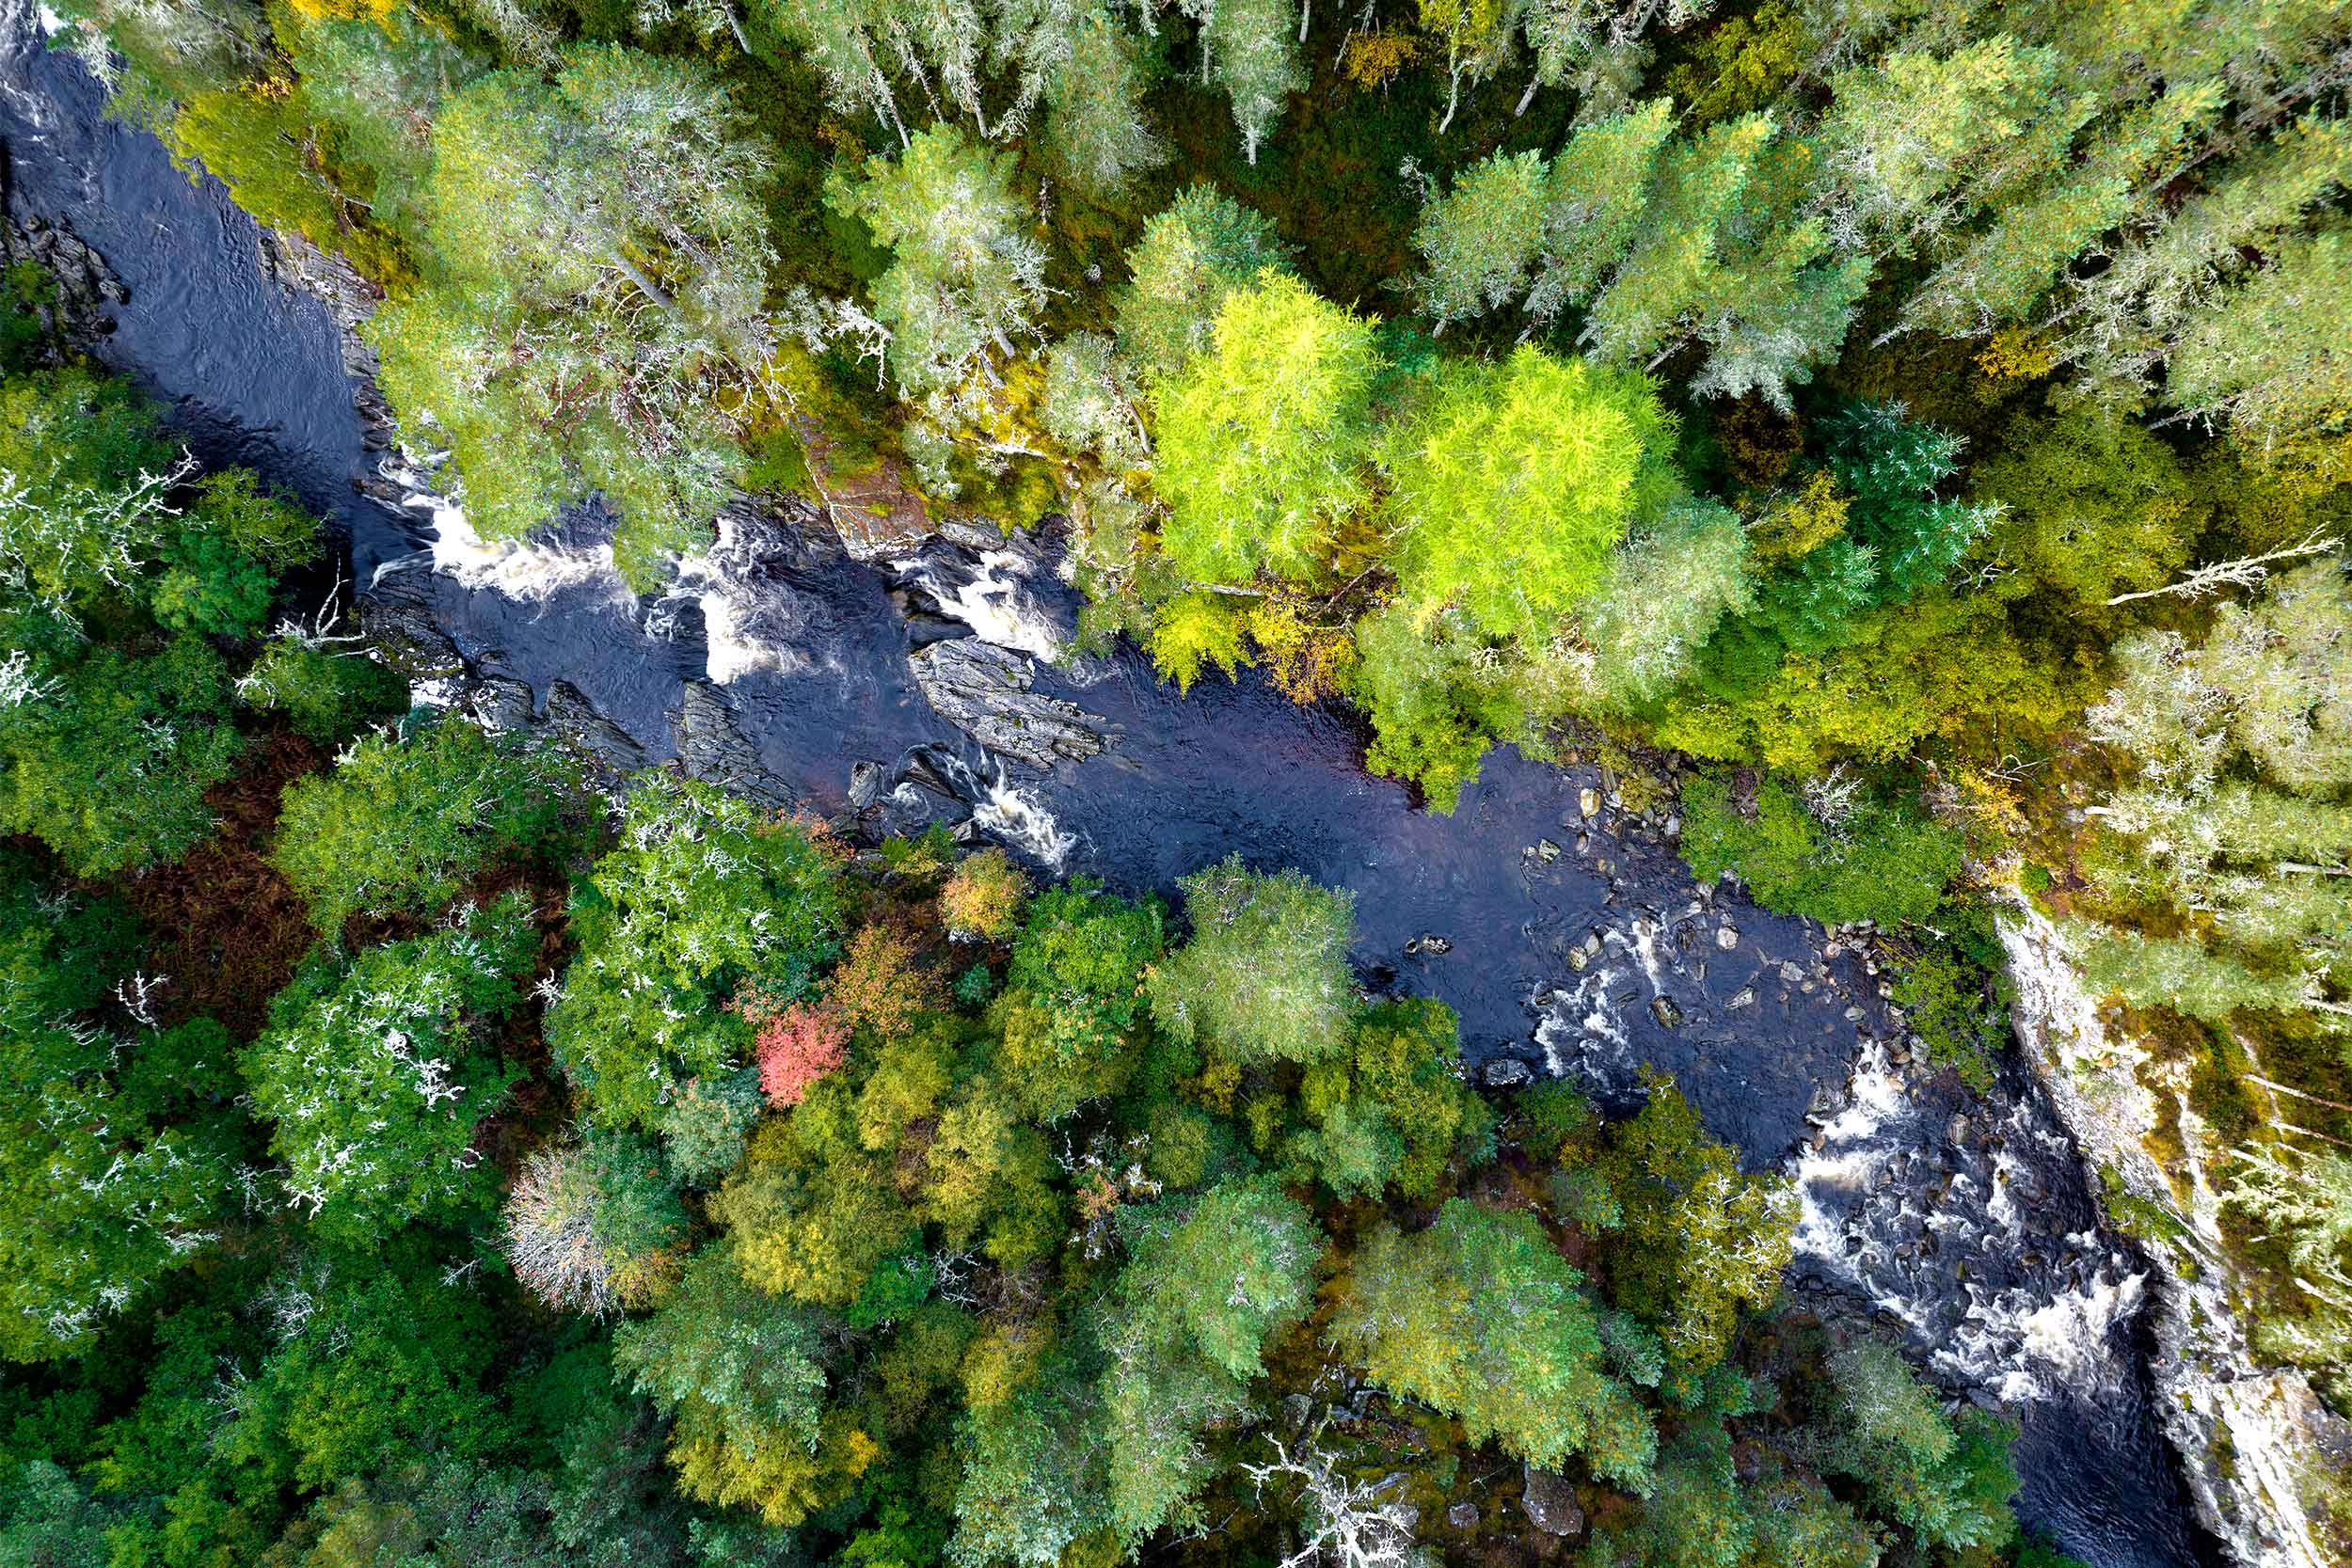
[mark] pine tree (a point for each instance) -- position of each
(1246, 50)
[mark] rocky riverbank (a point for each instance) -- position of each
(2252, 1437)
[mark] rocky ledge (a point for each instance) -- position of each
(2251, 1434)
(985, 691)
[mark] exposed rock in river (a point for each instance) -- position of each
(985, 691)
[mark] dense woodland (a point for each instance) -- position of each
(1930, 419)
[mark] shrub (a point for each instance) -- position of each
(1880, 863)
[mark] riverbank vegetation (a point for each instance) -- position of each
(1928, 420)
(514, 1175)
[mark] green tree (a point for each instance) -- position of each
(375, 1076)
(1260, 437)
(1246, 50)
(703, 894)
(1948, 1482)
(1391, 1108)
(1480, 241)
(966, 275)
(597, 323)
(1075, 988)
(1514, 483)
(1875, 862)
(1201, 249)
(1480, 1317)
(106, 1188)
(408, 816)
(1699, 1238)
(1207, 1283)
(104, 755)
(734, 1368)
(1266, 975)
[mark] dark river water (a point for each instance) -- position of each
(1565, 942)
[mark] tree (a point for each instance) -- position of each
(1700, 1238)
(596, 1226)
(1208, 1282)
(2240, 753)
(376, 1076)
(1201, 249)
(106, 1188)
(1266, 975)
(1947, 1481)
(104, 755)
(703, 895)
(1481, 241)
(2090, 505)
(1878, 862)
(1438, 698)
(1260, 438)
(408, 816)
(965, 277)
(1075, 988)
(1477, 35)
(740, 1373)
(1665, 590)
(2264, 358)
(1391, 1108)
(2000, 273)
(1035, 1474)
(1480, 1317)
(598, 321)
(983, 897)
(1515, 482)
(1917, 143)
(795, 1047)
(1247, 48)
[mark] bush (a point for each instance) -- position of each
(1880, 863)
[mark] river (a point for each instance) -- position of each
(1566, 943)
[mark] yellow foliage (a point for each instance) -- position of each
(344, 10)
(2015, 354)
(778, 1477)
(1373, 59)
(1309, 660)
(1798, 525)
(1739, 65)
(1194, 630)
(1004, 1360)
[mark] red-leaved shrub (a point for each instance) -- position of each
(796, 1047)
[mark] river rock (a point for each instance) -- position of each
(574, 719)
(396, 615)
(985, 691)
(866, 784)
(85, 286)
(1506, 1072)
(502, 703)
(1550, 1503)
(712, 747)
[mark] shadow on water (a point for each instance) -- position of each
(1566, 943)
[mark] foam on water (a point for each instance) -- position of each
(995, 601)
(721, 582)
(528, 571)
